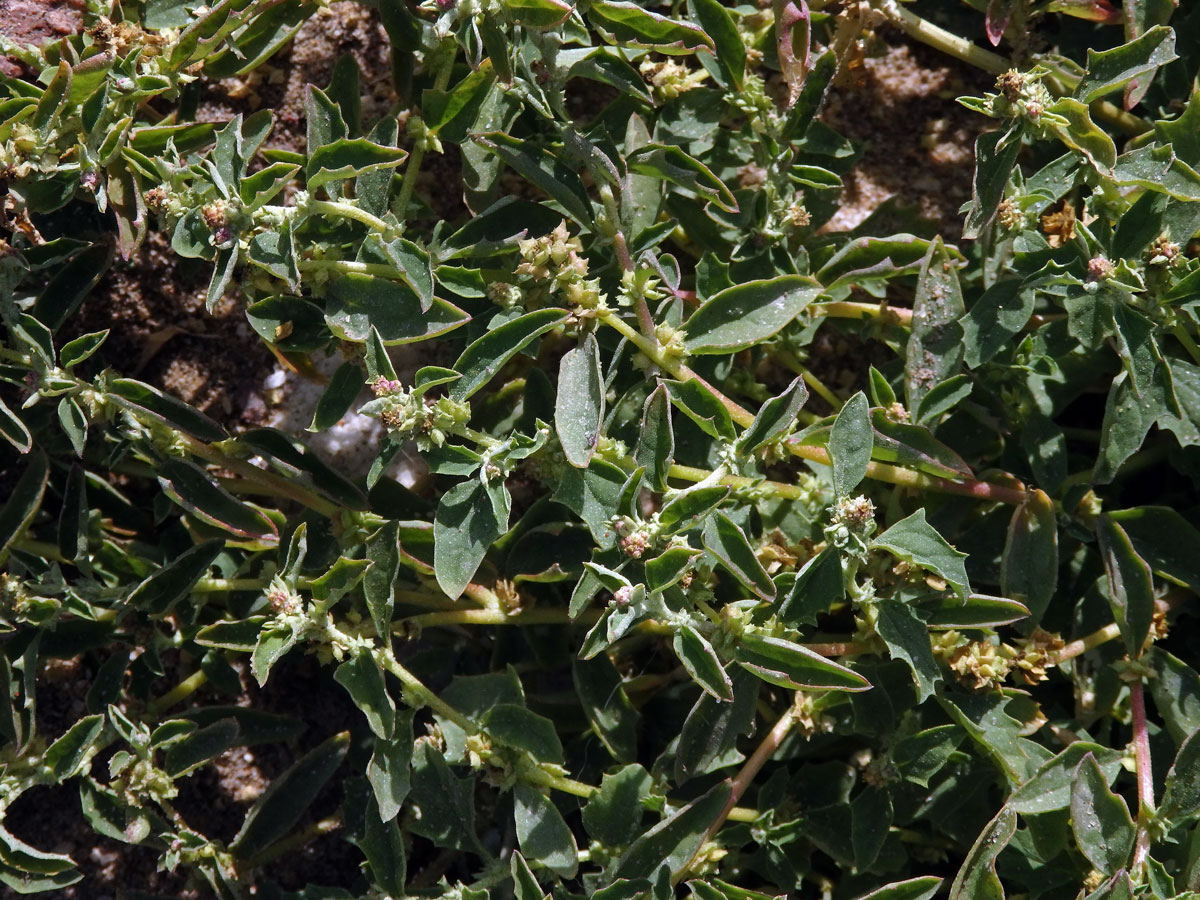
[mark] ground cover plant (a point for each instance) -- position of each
(682, 608)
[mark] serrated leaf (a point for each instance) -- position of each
(908, 639)
(1111, 70)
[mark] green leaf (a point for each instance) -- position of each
(708, 739)
(538, 13)
(655, 448)
(1181, 799)
(979, 611)
(543, 169)
(190, 486)
(13, 430)
(935, 343)
(1049, 788)
(913, 889)
(1176, 692)
(1029, 565)
(943, 398)
(465, 526)
(747, 314)
(995, 318)
(672, 165)
(726, 541)
(1082, 134)
(977, 879)
(850, 443)
(515, 726)
(344, 386)
(624, 24)
(383, 548)
(68, 754)
(602, 694)
(378, 838)
(729, 55)
(579, 405)
(873, 258)
(387, 770)
(870, 819)
(702, 406)
(613, 816)
(487, 355)
(272, 645)
(995, 156)
(283, 803)
(1130, 586)
(357, 304)
(1167, 541)
(916, 542)
(775, 418)
(790, 665)
(1100, 819)
(541, 832)
(1111, 70)
(199, 747)
(689, 507)
(168, 409)
(819, 585)
(702, 663)
(160, 591)
(1156, 168)
(907, 638)
(363, 681)
(674, 840)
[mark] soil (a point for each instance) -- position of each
(916, 146)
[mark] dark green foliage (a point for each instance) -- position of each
(658, 619)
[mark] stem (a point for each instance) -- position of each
(180, 692)
(787, 491)
(744, 777)
(789, 359)
(980, 490)
(345, 265)
(1145, 777)
(343, 210)
(846, 309)
(1189, 345)
(1084, 644)
(941, 39)
(413, 166)
(221, 585)
(421, 695)
(296, 841)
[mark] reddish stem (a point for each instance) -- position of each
(1145, 776)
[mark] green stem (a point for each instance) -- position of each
(789, 359)
(980, 490)
(846, 309)
(787, 491)
(300, 839)
(1189, 345)
(939, 38)
(421, 695)
(447, 53)
(1082, 645)
(340, 209)
(345, 265)
(180, 692)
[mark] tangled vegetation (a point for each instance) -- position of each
(681, 613)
